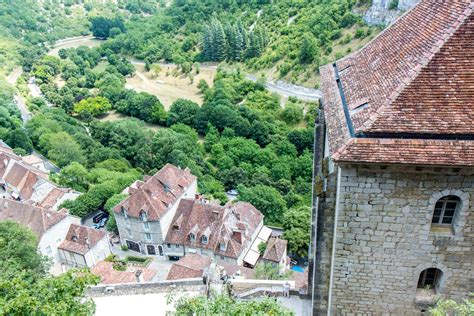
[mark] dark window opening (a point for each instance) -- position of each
(445, 210)
(429, 278)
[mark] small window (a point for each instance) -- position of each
(124, 212)
(168, 245)
(48, 250)
(222, 246)
(445, 210)
(192, 237)
(146, 225)
(176, 246)
(148, 236)
(204, 239)
(143, 216)
(429, 279)
(222, 258)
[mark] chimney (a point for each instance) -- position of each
(139, 276)
(237, 235)
(132, 190)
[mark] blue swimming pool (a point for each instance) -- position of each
(297, 269)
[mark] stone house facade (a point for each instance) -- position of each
(144, 217)
(225, 233)
(394, 169)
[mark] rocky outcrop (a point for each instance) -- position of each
(380, 13)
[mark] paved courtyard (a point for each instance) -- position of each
(160, 263)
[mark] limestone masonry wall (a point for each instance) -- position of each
(385, 240)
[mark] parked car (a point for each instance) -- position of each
(99, 217)
(101, 223)
(233, 192)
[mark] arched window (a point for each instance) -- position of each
(445, 210)
(192, 237)
(143, 216)
(430, 279)
(124, 212)
(204, 239)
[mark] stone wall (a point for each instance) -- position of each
(379, 12)
(385, 238)
(188, 285)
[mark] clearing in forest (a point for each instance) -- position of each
(168, 88)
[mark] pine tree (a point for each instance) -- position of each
(239, 46)
(207, 44)
(219, 42)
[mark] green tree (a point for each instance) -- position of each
(225, 305)
(308, 49)
(74, 176)
(62, 295)
(63, 149)
(451, 307)
(92, 107)
(267, 200)
(297, 230)
(183, 111)
(18, 251)
(292, 114)
(17, 138)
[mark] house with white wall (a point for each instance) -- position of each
(49, 226)
(83, 247)
(144, 217)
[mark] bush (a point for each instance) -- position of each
(124, 247)
(393, 5)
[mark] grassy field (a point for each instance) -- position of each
(168, 88)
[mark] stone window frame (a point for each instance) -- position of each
(460, 216)
(446, 274)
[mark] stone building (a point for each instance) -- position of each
(226, 233)
(394, 168)
(144, 217)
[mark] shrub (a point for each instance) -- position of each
(393, 5)
(124, 247)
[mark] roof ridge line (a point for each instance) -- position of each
(414, 73)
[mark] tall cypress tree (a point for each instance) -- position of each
(239, 45)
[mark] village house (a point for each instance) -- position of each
(225, 233)
(24, 182)
(144, 217)
(394, 168)
(276, 254)
(49, 226)
(83, 247)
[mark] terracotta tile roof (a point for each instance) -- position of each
(276, 249)
(157, 193)
(234, 270)
(413, 81)
(108, 275)
(81, 239)
(52, 198)
(189, 266)
(35, 218)
(218, 223)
